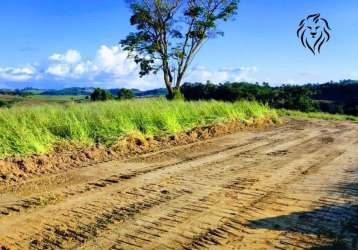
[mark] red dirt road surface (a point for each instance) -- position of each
(289, 187)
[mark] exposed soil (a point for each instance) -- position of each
(64, 156)
(288, 187)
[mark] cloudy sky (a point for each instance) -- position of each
(56, 44)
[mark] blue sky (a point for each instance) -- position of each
(55, 44)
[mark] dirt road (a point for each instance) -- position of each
(291, 187)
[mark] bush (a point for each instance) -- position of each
(125, 94)
(3, 103)
(101, 95)
(177, 95)
(8, 104)
(295, 97)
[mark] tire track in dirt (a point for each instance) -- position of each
(34, 202)
(219, 194)
(219, 232)
(102, 201)
(205, 236)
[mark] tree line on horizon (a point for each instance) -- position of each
(105, 95)
(333, 97)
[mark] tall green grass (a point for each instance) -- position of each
(30, 130)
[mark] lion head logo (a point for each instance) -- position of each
(314, 32)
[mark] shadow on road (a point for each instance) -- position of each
(336, 222)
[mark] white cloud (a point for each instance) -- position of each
(18, 74)
(80, 69)
(115, 60)
(110, 62)
(71, 57)
(110, 68)
(202, 74)
(85, 69)
(60, 70)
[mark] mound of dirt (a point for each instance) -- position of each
(64, 157)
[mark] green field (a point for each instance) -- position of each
(29, 130)
(33, 100)
(317, 115)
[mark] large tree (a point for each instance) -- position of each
(169, 33)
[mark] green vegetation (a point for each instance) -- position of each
(29, 130)
(335, 98)
(78, 92)
(7, 101)
(125, 94)
(56, 98)
(31, 97)
(101, 95)
(317, 115)
(170, 33)
(288, 97)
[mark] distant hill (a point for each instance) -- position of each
(153, 92)
(145, 93)
(77, 91)
(69, 91)
(33, 91)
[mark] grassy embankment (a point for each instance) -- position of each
(30, 130)
(317, 115)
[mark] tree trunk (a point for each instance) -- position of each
(179, 80)
(169, 86)
(170, 95)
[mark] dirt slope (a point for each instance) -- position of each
(290, 187)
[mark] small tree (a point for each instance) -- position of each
(295, 97)
(100, 95)
(124, 94)
(171, 32)
(3, 103)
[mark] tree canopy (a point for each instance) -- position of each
(332, 97)
(169, 33)
(100, 95)
(124, 94)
